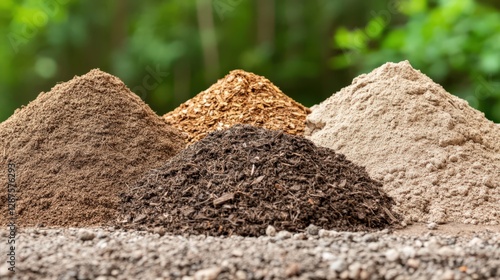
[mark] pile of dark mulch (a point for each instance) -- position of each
(241, 180)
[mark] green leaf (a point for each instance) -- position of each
(490, 62)
(375, 27)
(342, 38)
(412, 7)
(394, 40)
(341, 61)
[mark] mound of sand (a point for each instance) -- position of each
(438, 157)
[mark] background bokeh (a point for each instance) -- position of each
(168, 51)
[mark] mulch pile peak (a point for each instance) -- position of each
(77, 146)
(240, 180)
(239, 98)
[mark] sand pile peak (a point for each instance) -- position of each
(239, 98)
(77, 146)
(437, 156)
(240, 180)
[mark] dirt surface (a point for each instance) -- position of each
(240, 180)
(437, 157)
(239, 98)
(108, 253)
(76, 147)
(453, 229)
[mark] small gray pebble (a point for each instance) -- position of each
(448, 275)
(312, 230)
(344, 275)
(391, 274)
(327, 256)
(369, 237)
(432, 226)
(392, 255)
(354, 270)
(207, 274)
(408, 252)
(338, 265)
(299, 236)
(86, 235)
(241, 275)
(237, 253)
(293, 269)
(283, 235)
(413, 263)
(323, 233)
(446, 252)
(270, 231)
(476, 242)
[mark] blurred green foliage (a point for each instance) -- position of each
(168, 51)
(455, 42)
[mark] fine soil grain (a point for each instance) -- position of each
(437, 156)
(244, 179)
(239, 98)
(77, 146)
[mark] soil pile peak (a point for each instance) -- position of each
(239, 98)
(437, 156)
(240, 180)
(77, 146)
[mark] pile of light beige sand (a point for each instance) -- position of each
(437, 157)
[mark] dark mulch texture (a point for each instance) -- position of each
(241, 180)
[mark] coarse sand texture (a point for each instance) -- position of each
(438, 157)
(76, 147)
(240, 180)
(239, 98)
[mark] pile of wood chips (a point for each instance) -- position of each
(239, 98)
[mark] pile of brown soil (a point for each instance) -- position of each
(77, 146)
(238, 98)
(240, 180)
(438, 157)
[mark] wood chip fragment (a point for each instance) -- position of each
(223, 199)
(258, 180)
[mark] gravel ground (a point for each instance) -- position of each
(106, 253)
